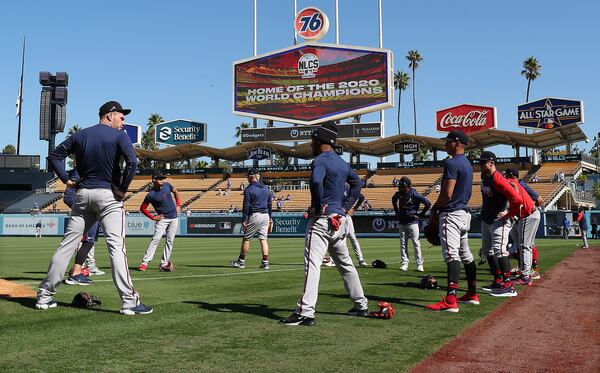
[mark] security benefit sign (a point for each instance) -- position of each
(259, 153)
(311, 83)
(406, 147)
(180, 131)
(549, 113)
(467, 118)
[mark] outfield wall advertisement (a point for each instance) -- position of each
(24, 225)
(310, 83)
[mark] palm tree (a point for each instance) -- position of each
(421, 155)
(73, 129)
(238, 131)
(414, 57)
(401, 80)
(531, 71)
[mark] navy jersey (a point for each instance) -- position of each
(406, 205)
(162, 201)
(328, 178)
(98, 151)
(257, 198)
(532, 193)
(458, 168)
(496, 192)
(69, 196)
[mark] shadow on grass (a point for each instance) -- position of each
(17, 278)
(30, 303)
(376, 298)
(36, 273)
(204, 266)
(251, 309)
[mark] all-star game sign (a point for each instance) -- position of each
(549, 113)
(312, 82)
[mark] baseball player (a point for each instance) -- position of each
(529, 219)
(406, 202)
(98, 150)
(86, 250)
(583, 227)
(513, 175)
(455, 220)
(256, 219)
(38, 229)
(496, 224)
(165, 220)
(326, 231)
(351, 234)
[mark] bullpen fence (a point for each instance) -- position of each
(370, 224)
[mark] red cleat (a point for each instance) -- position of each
(469, 299)
(143, 267)
(443, 305)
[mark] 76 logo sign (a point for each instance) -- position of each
(311, 23)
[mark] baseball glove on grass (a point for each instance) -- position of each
(85, 300)
(386, 311)
(432, 233)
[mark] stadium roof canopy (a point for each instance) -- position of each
(378, 148)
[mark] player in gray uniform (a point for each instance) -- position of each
(455, 220)
(98, 150)
(326, 231)
(351, 234)
(256, 219)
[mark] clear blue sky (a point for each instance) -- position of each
(175, 58)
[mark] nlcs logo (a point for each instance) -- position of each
(308, 65)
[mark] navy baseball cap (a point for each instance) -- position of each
(111, 106)
(487, 156)
(457, 135)
(405, 181)
(158, 176)
(252, 171)
(511, 172)
(326, 134)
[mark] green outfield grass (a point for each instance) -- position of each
(210, 317)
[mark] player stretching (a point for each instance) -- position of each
(326, 231)
(496, 224)
(455, 220)
(166, 219)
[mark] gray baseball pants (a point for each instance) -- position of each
(454, 230)
(527, 227)
(258, 224)
(160, 226)
(494, 237)
(91, 205)
(410, 231)
(320, 238)
(351, 235)
(584, 237)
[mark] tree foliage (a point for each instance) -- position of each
(9, 149)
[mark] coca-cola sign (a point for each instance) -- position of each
(467, 118)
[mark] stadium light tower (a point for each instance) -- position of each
(53, 102)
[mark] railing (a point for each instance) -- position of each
(581, 196)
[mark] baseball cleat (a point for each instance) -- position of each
(264, 264)
(238, 263)
(95, 271)
(358, 312)
(469, 299)
(443, 305)
(78, 280)
(491, 287)
(296, 319)
(167, 267)
(143, 267)
(522, 280)
(420, 268)
(535, 275)
(404, 267)
(363, 263)
(45, 306)
(140, 309)
(507, 291)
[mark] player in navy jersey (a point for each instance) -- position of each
(166, 219)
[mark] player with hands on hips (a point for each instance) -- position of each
(455, 220)
(256, 219)
(325, 230)
(165, 220)
(406, 202)
(98, 150)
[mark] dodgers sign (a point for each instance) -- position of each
(550, 112)
(180, 131)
